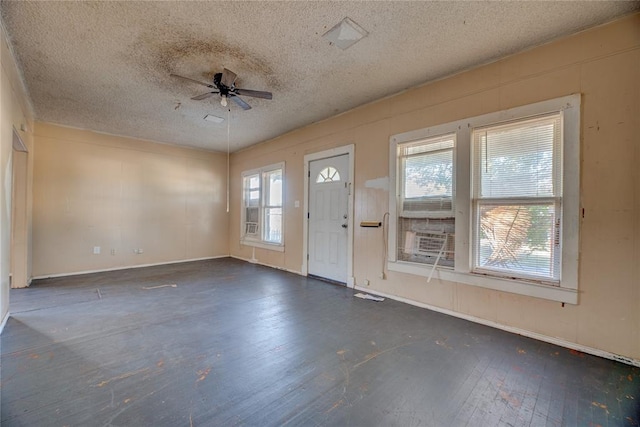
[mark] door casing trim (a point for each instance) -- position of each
(308, 158)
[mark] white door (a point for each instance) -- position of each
(328, 217)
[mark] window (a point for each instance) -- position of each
(491, 201)
(426, 222)
(262, 221)
(517, 198)
(328, 174)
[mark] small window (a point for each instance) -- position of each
(262, 219)
(328, 174)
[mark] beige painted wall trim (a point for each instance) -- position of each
(540, 337)
(77, 273)
(255, 261)
(4, 321)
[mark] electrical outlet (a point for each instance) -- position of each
(366, 282)
(96, 250)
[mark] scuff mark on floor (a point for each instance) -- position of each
(375, 354)
(121, 377)
(576, 353)
(514, 402)
(600, 405)
(443, 343)
(202, 374)
(335, 406)
(159, 286)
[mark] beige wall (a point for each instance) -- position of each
(122, 194)
(15, 113)
(603, 64)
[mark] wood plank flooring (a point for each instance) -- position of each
(239, 344)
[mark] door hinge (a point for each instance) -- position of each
(307, 215)
(309, 174)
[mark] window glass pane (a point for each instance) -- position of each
(273, 225)
(518, 239)
(252, 190)
(517, 160)
(273, 188)
(429, 175)
(328, 174)
(254, 181)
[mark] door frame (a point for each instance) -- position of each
(308, 158)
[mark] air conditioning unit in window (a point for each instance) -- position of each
(426, 205)
(425, 244)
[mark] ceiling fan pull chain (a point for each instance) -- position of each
(228, 136)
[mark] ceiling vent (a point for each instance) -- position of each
(345, 34)
(214, 119)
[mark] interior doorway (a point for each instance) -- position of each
(328, 231)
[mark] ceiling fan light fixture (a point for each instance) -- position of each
(345, 34)
(214, 119)
(223, 101)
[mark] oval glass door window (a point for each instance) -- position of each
(328, 174)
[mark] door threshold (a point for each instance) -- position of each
(324, 279)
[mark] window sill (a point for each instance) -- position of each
(263, 245)
(553, 293)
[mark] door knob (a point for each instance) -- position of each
(344, 225)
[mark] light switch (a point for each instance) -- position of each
(296, 203)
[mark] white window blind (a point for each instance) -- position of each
(426, 169)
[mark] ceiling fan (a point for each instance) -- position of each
(224, 84)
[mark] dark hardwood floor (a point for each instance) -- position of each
(239, 344)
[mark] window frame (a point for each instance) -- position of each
(258, 240)
(462, 272)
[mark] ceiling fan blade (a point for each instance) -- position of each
(228, 77)
(254, 93)
(203, 96)
(241, 103)
(193, 81)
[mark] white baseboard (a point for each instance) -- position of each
(255, 261)
(76, 273)
(540, 337)
(4, 322)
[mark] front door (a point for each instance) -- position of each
(328, 217)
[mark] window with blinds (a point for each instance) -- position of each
(426, 223)
(517, 198)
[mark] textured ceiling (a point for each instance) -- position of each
(105, 65)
